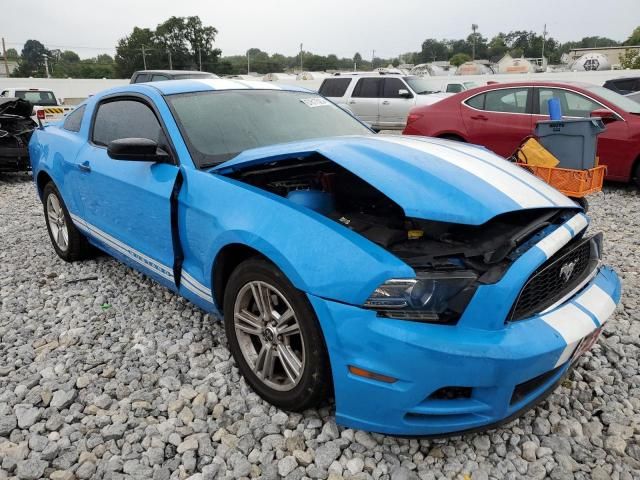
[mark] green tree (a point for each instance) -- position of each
(31, 63)
(433, 50)
(459, 58)
(129, 52)
(630, 59)
(634, 38)
(12, 54)
(497, 47)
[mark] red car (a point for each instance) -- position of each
(500, 116)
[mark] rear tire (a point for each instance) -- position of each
(67, 241)
(635, 178)
(275, 338)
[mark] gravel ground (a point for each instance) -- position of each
(105, 374)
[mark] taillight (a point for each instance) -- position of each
(40, 114)
(414, 116)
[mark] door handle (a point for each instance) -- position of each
(479, 117)
(386, 102)
(352, 102)
(85, 166)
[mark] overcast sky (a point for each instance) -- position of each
(327, 26)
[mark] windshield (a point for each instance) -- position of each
(45, 99)
(218, 126)
(183, 76)
(623, 103)
(423, 86)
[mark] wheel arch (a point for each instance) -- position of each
(452, 136)
(41, 180)
(225, 262)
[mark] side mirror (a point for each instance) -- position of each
(404, 93)
(605, 114)
(137, 149)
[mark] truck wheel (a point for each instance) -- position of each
(67, 241)
(275, 338)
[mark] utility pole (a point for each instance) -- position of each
(144, 58)
(248, 63)
(474, 27)
(300, 58)
(46, 66)
(170, 62)
(373, 57)
(544, 36)
(4, 54)
(200, 57)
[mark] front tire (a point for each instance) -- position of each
(67, 241)
(275, 338)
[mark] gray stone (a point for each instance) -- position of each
(62, 399)
(7, 424)
(287, 465)
(31, 469)
(326, 454)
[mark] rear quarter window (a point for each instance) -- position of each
(73, 122)
(476, 102)
(334, 87)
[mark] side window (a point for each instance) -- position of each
(73, 122)
(573, 104)
(476, 102)
(626, 84)
(454, 88)
(510, 100)
(334, 87)
(367, 88)
(392, 86)
(159, 78)
(126, 119)
(143, 77)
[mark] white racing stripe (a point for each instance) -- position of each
(522, 194)
(554, 241)
(166, 272)
(572, 324)
(598, 302)
(520, 173)
(223, 84)
(577, 223)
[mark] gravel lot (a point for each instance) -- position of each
(105, 374)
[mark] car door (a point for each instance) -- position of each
(394, 107)
(365, 99)
(126, 203)
(611, 143)
(499, 119)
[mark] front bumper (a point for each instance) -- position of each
(503, 371)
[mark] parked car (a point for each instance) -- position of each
(380, 100)
(432, 286)
(624, 85)
(16, 127)
(500, 116)
(46, 107)
(161, 75)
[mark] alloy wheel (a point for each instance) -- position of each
(269, 335)
(57, 222)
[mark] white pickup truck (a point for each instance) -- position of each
(46, 107)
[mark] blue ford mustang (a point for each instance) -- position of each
(431, 287)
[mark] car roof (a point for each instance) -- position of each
(175, 72)
(202, 85)
(532, 83)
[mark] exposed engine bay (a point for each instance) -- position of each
(324, 186)
(16, 127)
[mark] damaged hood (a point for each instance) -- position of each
(15, 106)
(429, 178)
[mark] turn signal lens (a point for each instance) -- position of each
(360, 372)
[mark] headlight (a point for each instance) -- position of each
(438, 297)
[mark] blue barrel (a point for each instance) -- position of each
(555, 109)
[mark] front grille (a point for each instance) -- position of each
(556, 277)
